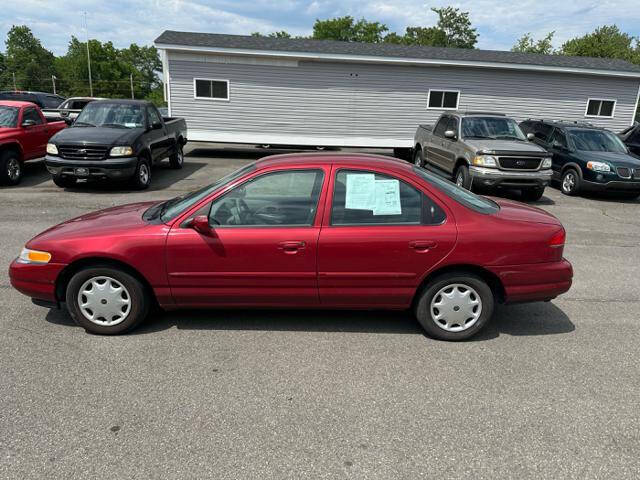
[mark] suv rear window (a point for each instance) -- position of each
(459, 194)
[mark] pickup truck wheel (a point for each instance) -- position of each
(106, 301)
(142, 178)
(532, 194)
(570, 183)
(418, 159)
(10, 168)
(455, 306)
(463, 179)
(177, 159)
(64, 182)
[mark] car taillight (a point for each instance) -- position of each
(558, 239)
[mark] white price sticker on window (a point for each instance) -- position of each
(360, 194)
(387, 198)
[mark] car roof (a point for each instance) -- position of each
(122, 101)
(359, 160)
(16, 103)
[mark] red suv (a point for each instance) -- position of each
(348, 231)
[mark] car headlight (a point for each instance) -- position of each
(546, 163)
(34, 256)
(52, 149)
(485, 161)
(598, 166)
(121, 151)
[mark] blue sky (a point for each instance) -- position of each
(499, 22)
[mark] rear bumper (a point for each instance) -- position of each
(115, 168)
(535, 282)
(492, 177)
(36, 281)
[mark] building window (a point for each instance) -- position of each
(597, 107)
(443, 99)
(210, 89)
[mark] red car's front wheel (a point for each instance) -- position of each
(106, 301)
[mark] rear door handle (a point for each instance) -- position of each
(422, 245)
(291, 246)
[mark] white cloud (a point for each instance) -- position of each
(499, 23)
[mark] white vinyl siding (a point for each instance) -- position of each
(333, 103)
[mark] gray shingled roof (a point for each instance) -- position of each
(389, 50)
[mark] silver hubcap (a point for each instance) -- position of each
(456, 307)
(104, 301)
(13, 169)
(180, 156)
(144, 173)
(569, 182)
(417, 160)
(460, 179)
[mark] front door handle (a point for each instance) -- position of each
(291, 246)
(422, 245)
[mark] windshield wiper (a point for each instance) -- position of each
(510, 137)
(84, 123)
(117, 125)
(480, 136)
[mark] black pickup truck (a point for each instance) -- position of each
(116, 140)
(631, 137)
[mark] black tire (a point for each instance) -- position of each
(176, 160)
(11, 168)
(418, 158)
(139, 300)
(64, 182)
(423, 310)
(532, 194)
(462, 177)
(142, 178)
(570, 183)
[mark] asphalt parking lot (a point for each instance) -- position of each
(549, 390)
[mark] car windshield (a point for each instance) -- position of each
(459, 194)
(117, 115)
(172, 208)
(491, 127)
(589, 140)
(8, 117)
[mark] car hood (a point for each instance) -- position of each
(506, 146)
(109, 221)
(516, 211)
(617, 159)
(97, 135)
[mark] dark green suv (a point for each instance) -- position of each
(586, 157)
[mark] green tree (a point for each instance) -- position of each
(25, 57)
(527, 44)
(346, 29)
(457, 28)
(145, 67)
(606, 41)
(425, 36)
(280, 34)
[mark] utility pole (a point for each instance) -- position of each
(131, 82)
(53, 80)
(86, 23)
(14, 81)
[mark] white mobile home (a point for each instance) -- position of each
(260, 90)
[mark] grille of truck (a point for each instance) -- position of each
(519, 163)
(81, 152)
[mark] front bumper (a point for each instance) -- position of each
(613, 186)
(120, 167)
(493, 177)
(534, 282)
(36, 281)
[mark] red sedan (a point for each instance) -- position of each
(342, 231)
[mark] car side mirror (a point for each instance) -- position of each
(450, 134)
(68, 121)
(201, 225)
(156, 125)
(530, 137)
(28, 123)
(557, 145)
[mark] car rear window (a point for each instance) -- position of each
(459, 194)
